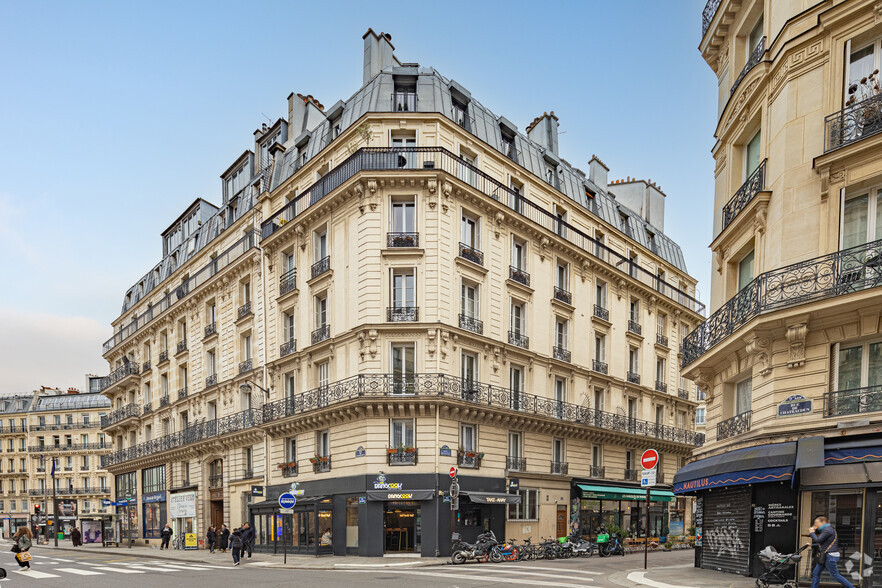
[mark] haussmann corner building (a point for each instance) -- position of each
(791, 354)
(405, 283)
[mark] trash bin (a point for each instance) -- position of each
(61, 536)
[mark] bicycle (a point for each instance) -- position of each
(178, 543)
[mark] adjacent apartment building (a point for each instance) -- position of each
(36, 428)
(393, 286)
(790, 355)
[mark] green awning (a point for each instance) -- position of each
(620, 493)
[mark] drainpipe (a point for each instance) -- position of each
(265, 371)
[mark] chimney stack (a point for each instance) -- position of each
(598, 173)
(378, 54)
(543, 130)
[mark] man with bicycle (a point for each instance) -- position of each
(166, 535)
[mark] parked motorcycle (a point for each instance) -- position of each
(578, 546)
(485, 548)
(611, 545)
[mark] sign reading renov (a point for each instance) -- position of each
(649, 459)
(287, 500)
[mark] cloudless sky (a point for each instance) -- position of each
(115, 116)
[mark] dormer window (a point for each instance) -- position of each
(265, 158)
(507, 146)
(236, 181)
(460, 114)
(404, 99)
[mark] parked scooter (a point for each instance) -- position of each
(578, 546)
(612, 545)
(485, 548)
(510, 551)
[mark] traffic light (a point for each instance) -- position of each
(36, 509)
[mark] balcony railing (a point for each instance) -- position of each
(563, 295)
(515, 464)
(748, 190)
(182, 345)
(120, 414)
(164, 401)
(435, 386)
(163, 356)
(470, 323)
(683, 393)
(519, 339)
(68, 447)
(289, 471)
(404, 101)
(211, 381)
(321, 266)
(836, 274)
(631, 475)
(562, 353)
(288, 281)
(402, 240)
(148, 407)
(402, 314)
(635, 327)
(755, 57)
(402, 457)
(518, 275)
(246, 366)
(707, 15)
(288, 347)
(146, 366)
(216, 481)
(182, 393)
(597, 472)
(633, 377)
(560, 467)
(599, 366)
(854, 122)
(735, 426)
(601, 312)
(468, 459)
(123, 371)
(211, 329)
(321, 333)
(322, 465)
(440, 159)
(470, 253)
(854, 401)
(661, 386)
(244, 310)
(661, 339)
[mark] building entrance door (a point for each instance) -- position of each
(562, 521)
(401, 528)
(217, 513)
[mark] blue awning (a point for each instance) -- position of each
(757, 476)
(852, 455)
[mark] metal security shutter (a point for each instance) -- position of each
(726, 531)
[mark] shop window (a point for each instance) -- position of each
(352, 522)
(528, 509)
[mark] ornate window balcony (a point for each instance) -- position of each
(288, 281)
(560, 467)
(402, 457)
(321, 464)
(661, 340)
(518, 275)
(601, 312)
(216, 481)
(320, 334)
(854, 122)
(470, 323)
(631, 475)
(737, 425)
(515, 464)
(707, 15)
(854, 401)
(599, 366)
(148, 407)
(748, 190)
(683, 393)
(246, 366)
(469, 459)
(635, 327)
(289, 471)
(755, 57)
(402, 240)
(211, 329)
(288, 347)
(182, 393)
(633, 377)
(211, 381)
(182, 345)
(470, 253)
(661, 386)
(244, 310)
(164, 401)
(146, 367)
(128, 411)
(402, 314)
(163, 356)
(562, 353)
(321, 266)
(519, 339)
(597, 472)
(563, 295)
(120, 373)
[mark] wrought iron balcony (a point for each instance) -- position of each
(402, 240)
(321, 266)
(216, 481)
(854, 122)
(68, 447)
(683, 393)
(288, 281)
(633, 377)
(244, 310)
(247, 474)
(735, 426)
(562, 353)
(320, 334)
(288, 347)
(518, 275)
(661, 386)
(635, 327)
(470, 323)
(211, 381)
(560, 467)
(854, 401)
(599, 366)
(246, 366)
(163, 356)
(470, 253)
(748, 190)
(182, 345)
(402, 314)
(289, 471)
(563, 295)
(631, 475)
(164, 401)
(661, 339)
(146, 366)
(755, 57)
(211, 329)
(515, 464)
(322, 465)
(519, 339)
(402, 457)
(707, 15)
(601, 312)
(404, 101)
(128, 411)
(123, 371)
(148, 407)
(597, 472)
(468, 459)
(182, 393)
(836, 274)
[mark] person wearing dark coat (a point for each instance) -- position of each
(224, 538)
(825, 537)
(211, 538)
(166, 535)
(236, 545)
(247, 539)
(76, 537)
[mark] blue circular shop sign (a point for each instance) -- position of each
(287, 500)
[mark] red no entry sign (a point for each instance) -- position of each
(452, 472)
(649, 459)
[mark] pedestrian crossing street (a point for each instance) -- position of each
(522, 573)
(57, 567)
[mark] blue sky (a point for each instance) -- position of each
(115, 116)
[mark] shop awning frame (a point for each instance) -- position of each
(590, 492)
(492, 497)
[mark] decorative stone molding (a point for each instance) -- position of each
(499, 225)
(432, 187)
(431, 341)
(705, 381)
(877, 12)
(445, 337)
(796, 337)
(496, 351)
(358, 189)
(300, 231)
(446, 188)
(759, 221)
(543, 247)
(621, 288)
(586, 270)
(758, 347)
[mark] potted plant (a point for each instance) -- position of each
(315, 459)
(283, 466)
(409, 449)
(869, 117)
(471, 454)
(391, 450)
(321, 458)
(292, 464)
(668, 545)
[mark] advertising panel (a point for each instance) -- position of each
(182, 505)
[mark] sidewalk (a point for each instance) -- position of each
(270, 560)
(685, 576)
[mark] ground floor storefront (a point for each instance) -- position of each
(769, 495)
(624, 507)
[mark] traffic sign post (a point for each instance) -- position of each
(454, 500)
(286, 505)
(649, 461)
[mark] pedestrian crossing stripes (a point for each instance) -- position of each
(560, 578)
(58, 568)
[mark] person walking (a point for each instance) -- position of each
(211, 538)
(22, 542)
(224, 538)
(824, 536)
(236, 545)
(166, 535)
(76, 537)
(247, 539)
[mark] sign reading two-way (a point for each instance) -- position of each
(287, 500)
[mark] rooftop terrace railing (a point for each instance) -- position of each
(439, 158)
